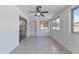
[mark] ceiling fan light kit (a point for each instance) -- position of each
(38, 13)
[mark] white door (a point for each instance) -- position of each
(32, 28)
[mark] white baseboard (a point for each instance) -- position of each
(13, 49)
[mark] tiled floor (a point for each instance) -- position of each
(40, 45)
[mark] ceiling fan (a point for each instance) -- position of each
(38, 11)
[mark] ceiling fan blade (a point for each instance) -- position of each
(32, 11)
(38, 8)
(36, 14)
(44, 12)
(42, 15)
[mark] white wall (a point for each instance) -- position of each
(64, 36)
(9, 28)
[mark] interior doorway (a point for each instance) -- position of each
(22, 28)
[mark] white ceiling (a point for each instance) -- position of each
(52, 9)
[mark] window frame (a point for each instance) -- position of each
(72, 19)
(55, 21)
(44, 21)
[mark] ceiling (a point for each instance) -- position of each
(52, 10)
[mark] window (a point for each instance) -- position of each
(75, 18)
(56, 24)
(44, 25)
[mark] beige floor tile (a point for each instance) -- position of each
(40, 45)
